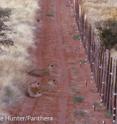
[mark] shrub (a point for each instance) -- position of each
(107, 31)
(4, 16)
(17, 27)
(5, 12)
(10, 95)
(78, 99)
(76, 37)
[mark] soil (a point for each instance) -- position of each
(72, 100)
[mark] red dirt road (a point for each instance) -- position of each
(56, 45)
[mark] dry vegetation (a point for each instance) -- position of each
(17, 26)
(99, 11)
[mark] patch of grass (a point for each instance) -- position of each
(108, 114)
(76, 37)
(78, 99)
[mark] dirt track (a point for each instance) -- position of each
(56, 45)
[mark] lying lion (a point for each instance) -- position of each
(36, 89)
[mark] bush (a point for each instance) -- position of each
(107, 31)
(78, 99)
(76, 37)
(5, 12)
(4, 16)
(17, 27)
(10, 95)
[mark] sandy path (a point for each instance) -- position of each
(56, 45)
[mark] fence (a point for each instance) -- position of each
(103, 66)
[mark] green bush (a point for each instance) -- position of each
(76, 37)
(107, 31)
(78, 99)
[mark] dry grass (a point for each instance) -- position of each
(17, 26)
(10, 95)
(99, 10)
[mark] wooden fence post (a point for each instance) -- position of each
(115, 99)
(103, 66)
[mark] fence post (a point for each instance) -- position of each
(103, 66)
(115, 99)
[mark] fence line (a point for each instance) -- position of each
(103, 66)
